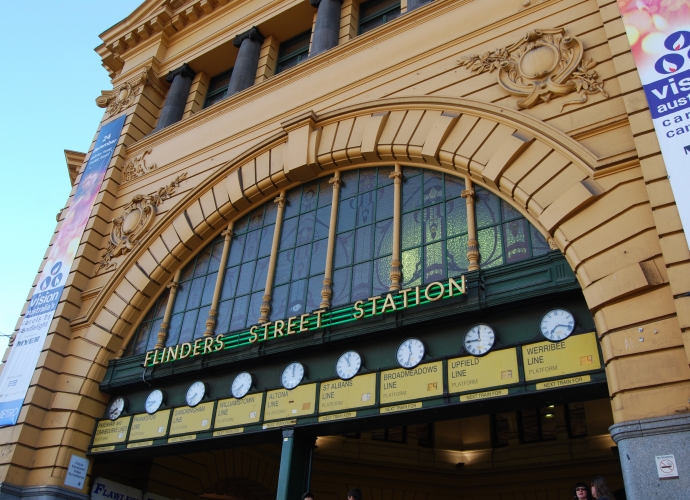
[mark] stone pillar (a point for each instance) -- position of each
(640, 441)
(180, 85)
(413, 4)
(244, 72)
(327, 28)
(295, 465)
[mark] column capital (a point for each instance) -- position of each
(468, 193)
(315, 3)
(184, 71)
(227, 233)
(251, 34)
(396, 176)
(280, 200)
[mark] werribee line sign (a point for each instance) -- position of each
(316, 320)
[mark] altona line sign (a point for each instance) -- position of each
(321, 318)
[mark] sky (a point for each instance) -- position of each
(50, 81)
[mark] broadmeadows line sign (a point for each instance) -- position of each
(315, 320)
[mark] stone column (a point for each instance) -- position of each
(180, 85)
(640, 442)
(396, 263)
(244, 72)
(327, 290)
(213, 312)
(265, 308)
(295, 465)
(472, 244)
(413, 4)
(327, 28)
(165, 325)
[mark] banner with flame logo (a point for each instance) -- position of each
(659, 34)
(15, 378)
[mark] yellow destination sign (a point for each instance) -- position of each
(228, 432)
(231, 412)
(405, 407)
(140, 444)
(298, 402)
(423, 381)
(338, 416)
(280, 423)
(341, 395)
(145, 426)
(102, 448)
(553, 359)
(483, 395)
(180, 439)
(470, 373)
(554, 384)
(187, 419)
(111, 431)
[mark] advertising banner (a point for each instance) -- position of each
(28, 344)
(659, 34)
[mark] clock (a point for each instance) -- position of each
(348, 365)
(116, 408)
(195, 393)
(154, 401)
(410, 353)
(557, 325)
(479, 339)
(241, 385)
(292, 375)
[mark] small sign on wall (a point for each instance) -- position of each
(666, 466)
(76, 472)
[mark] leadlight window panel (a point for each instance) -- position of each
(504, 235)
(293, 51)
(146, 336)
(364, 235)
(434, 227)
(194, 295)
(245, 272)
(375, 13)
(218, 88)
(301, 260)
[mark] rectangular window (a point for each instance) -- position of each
(374, 13)
(575, 418)
(538, 424)
(391, 435)
(217, 88)
(293, 51)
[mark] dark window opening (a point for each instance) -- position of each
(392, 435)
(575, 420)
(293, 51)
(425, 435)
(218, 88)
(375, 13)
(538, 424)
(500, 430)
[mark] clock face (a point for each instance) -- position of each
(410, 353)
(348, 365)
(241, 385)
(292, 375)
(195, 393)
(116, 408)
(154, 401)
(479, 339)
(557, 325)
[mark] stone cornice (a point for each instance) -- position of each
(650, 427)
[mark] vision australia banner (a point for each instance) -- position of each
(28, 344)
(659, 34)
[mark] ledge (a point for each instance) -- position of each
(671, 424)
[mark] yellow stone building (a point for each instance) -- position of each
(423, 249)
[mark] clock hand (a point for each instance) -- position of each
(294, 367)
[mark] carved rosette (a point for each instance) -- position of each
(123, 96)
(543, 65)
(135, 221)
(137, 167)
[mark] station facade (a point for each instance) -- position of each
(417, 248)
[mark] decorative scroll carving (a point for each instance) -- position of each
(526, 4)
(123, 96)
(552, 244)
(138, 167)
(543, 65)
(135, 221)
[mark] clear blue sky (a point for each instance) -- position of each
(51, 78)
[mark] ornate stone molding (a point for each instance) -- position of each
(123, 96)
(252, 33)
(526, 4)
(137, 167)
(135, 221)
(543, 65)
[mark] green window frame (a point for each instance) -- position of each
(375, 13)
(293, 51)
(504, 235)
(217, 88)
(434, 227)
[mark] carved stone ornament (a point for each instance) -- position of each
(123, 96)
(543, 65)
(135, 221)
(137, 167)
